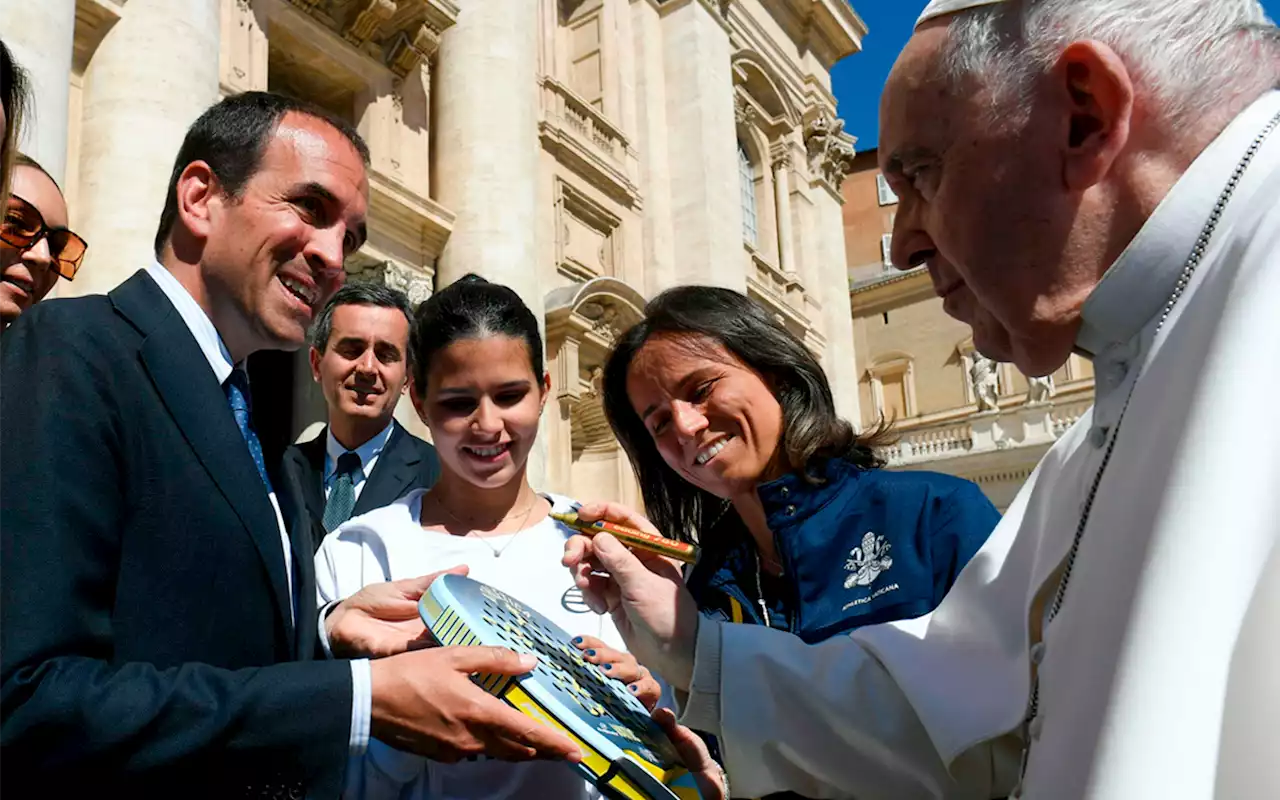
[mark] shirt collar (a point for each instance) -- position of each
(197, 321)
(1139, 283)
(368, 451)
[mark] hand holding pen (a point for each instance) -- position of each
(642, 591)
(632, 537)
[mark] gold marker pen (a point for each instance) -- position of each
(631, 537)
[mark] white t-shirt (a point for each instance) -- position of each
(390, 544)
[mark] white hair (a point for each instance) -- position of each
(1189, 56)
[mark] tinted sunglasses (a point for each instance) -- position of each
(24, 226)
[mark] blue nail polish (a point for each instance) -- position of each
(591, 652)
(577, 640)
(634, 689)
(608, 666)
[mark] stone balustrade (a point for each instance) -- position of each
(1019, 426)
(574, 127)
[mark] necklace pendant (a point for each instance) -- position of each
(497, 554)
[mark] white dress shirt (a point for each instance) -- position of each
(215, 350)
(368, 453)
(389, 544)
(1153, 673)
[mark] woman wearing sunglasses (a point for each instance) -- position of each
(36, 246)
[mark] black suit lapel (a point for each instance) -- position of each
(393, 473)
(191, 393)
(304, 539)
(309, 465)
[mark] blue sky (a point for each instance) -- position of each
(857, 80)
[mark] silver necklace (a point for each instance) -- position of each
(764, 607)
(497, 551)
(1184, 279)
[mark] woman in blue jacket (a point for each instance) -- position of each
(730, 424)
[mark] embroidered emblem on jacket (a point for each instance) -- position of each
(867, 562)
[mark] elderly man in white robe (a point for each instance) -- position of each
(1090, 176)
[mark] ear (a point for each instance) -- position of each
(417, 401)
(314, 357)
(546, 390)
(199, 198)
(1099, 101)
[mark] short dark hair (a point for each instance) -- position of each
(357, 293)
(471, 308)
(15, 96)
(232, 137)
(812, 432)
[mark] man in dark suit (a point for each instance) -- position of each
(155, 618)
(363, 459)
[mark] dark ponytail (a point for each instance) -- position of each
(471, 308)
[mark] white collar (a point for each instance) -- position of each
(368, 452)
(197, 321)
(1136, 287)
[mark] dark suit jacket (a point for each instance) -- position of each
(146, 646)
(405, 464)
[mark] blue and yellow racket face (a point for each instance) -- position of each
(625, 753)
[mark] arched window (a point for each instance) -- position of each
(747, 178)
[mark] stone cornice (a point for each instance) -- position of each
(402, 34)
(830, 29)
(836, 30)
(718, 9)
(891, 291)
(419, 223)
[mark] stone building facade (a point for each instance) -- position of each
(588, 153)
(952, 410)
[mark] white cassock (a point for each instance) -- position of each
(1160, 675)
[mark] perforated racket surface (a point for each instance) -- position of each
(626, 754)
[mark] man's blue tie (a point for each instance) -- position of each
(237, 388)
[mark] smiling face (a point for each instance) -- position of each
(363, 370)
(482, 402)
(272, 256)
(713, 419)
(1008, 241)
(27, 275)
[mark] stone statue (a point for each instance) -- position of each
(986, 383)
(830, 150)
(1039, 390)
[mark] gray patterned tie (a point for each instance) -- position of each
(342, 496)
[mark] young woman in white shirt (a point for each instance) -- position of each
(480, 385)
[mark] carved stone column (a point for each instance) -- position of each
(486, 144)
(40, 35)
(782, 202)
(154, 73)
(705, 191)
(830, 151)
(486, 155)
(652, 138)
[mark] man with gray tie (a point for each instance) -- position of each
(363, 459)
